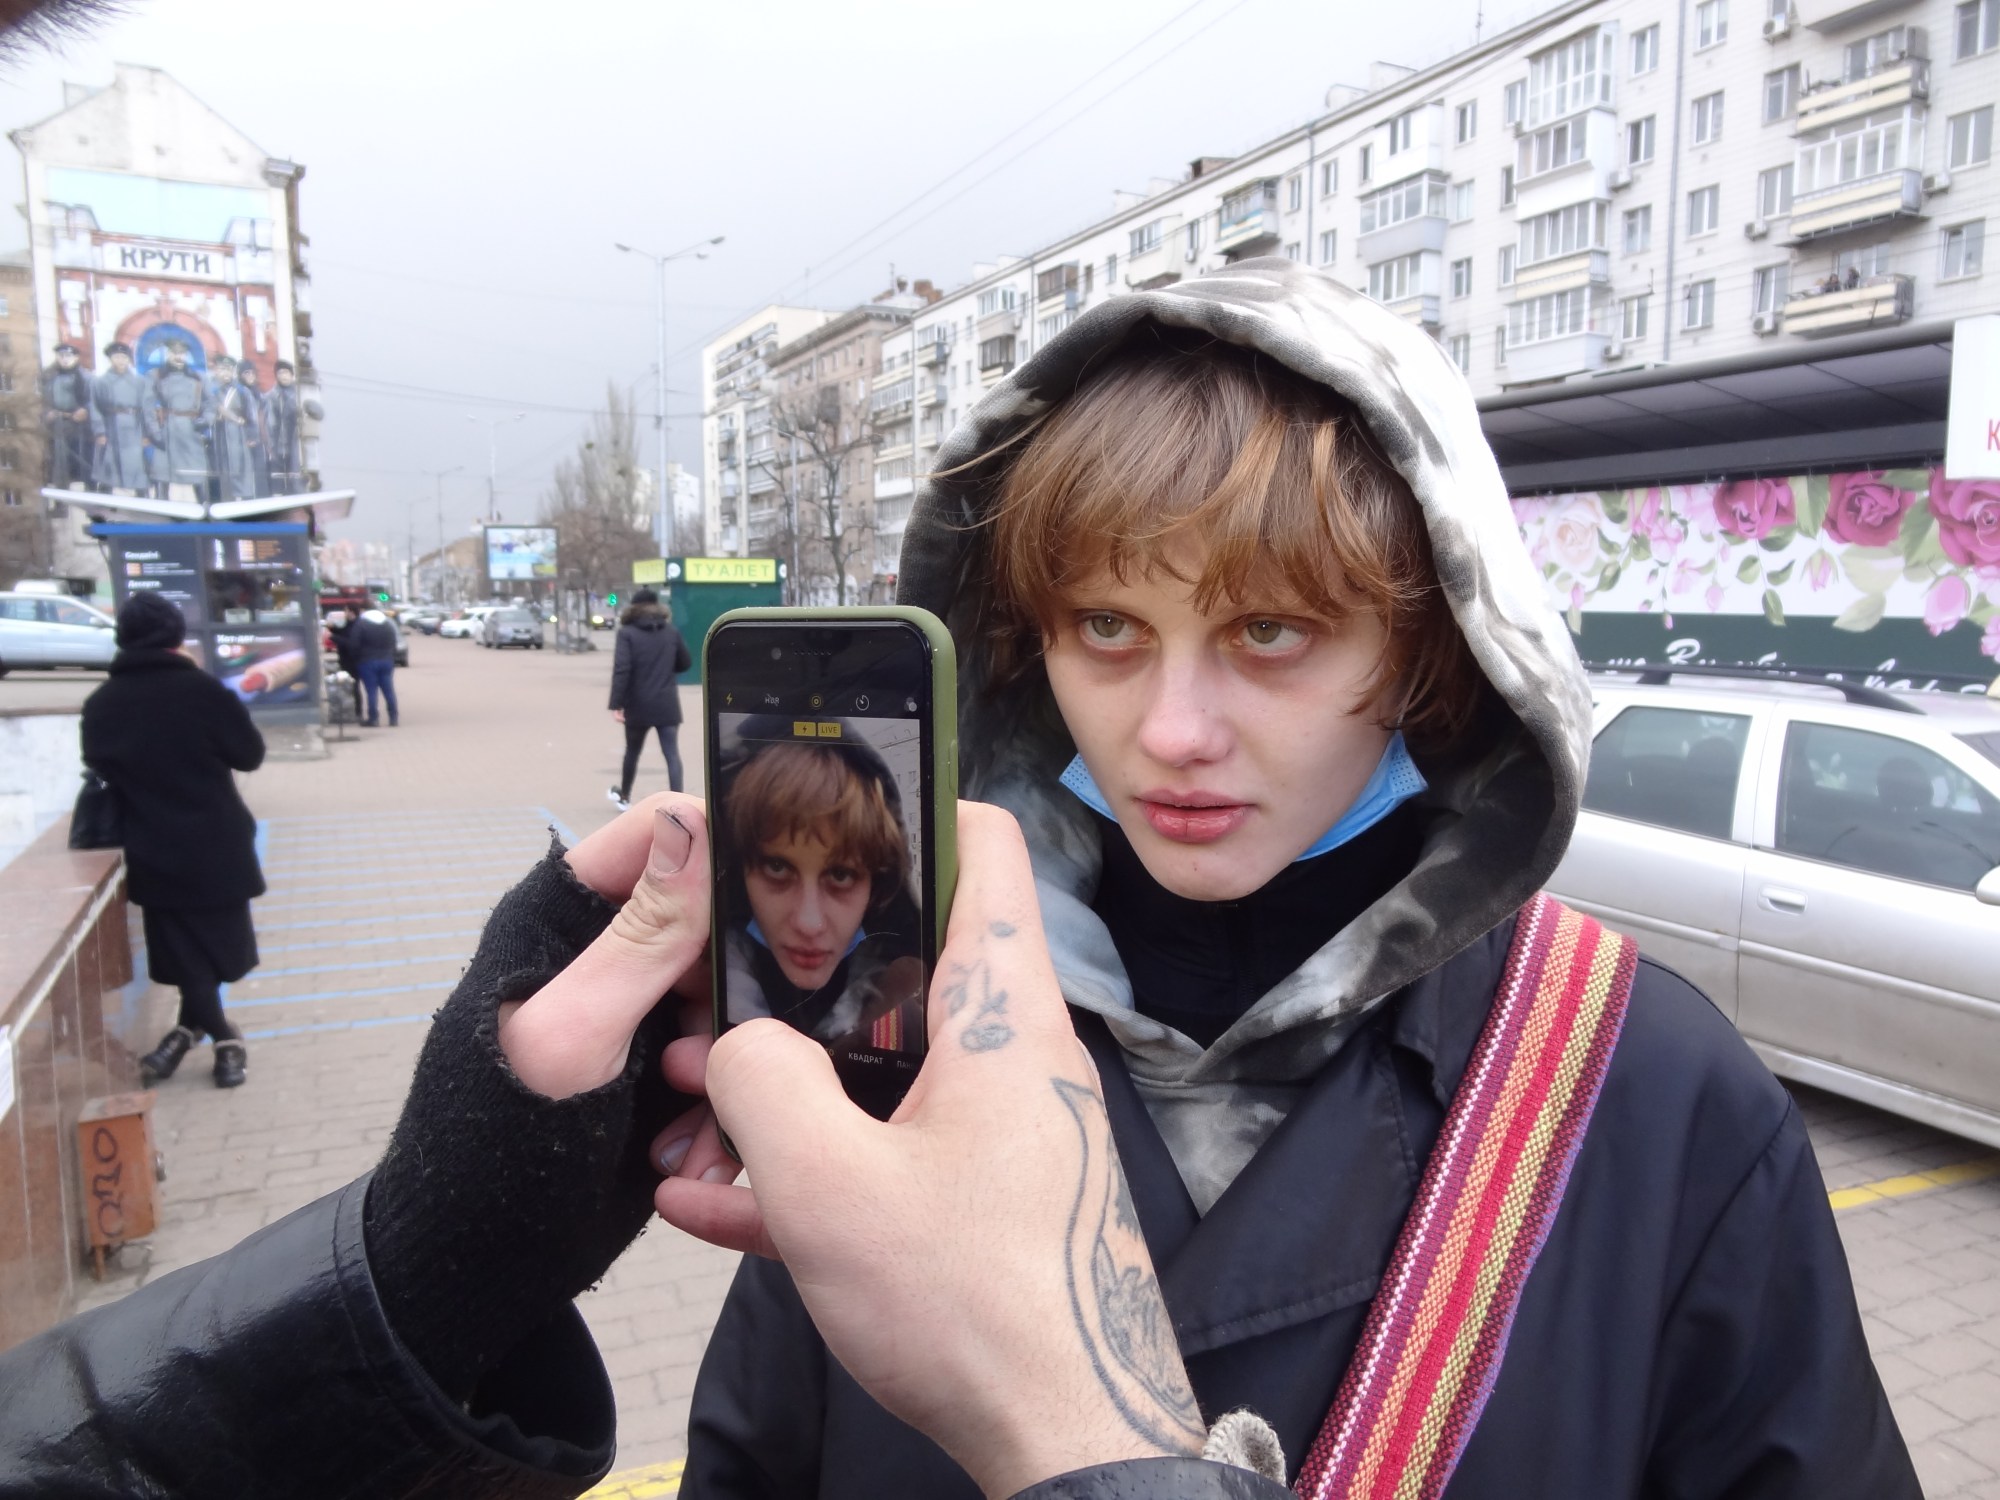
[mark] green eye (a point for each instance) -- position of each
(1105, 627)
(1265, 632)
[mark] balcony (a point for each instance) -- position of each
(762, 481)
(1878, 302)
(1424, 310)
(933, 393)
(1403, 219)
(1896, 194)
(1057, 286)
(934, 351)
(1553, 359)
(894, 489)
(998, 324)
(1838, 15)
(1248, 221)
(1827, 104)
(1584, 268)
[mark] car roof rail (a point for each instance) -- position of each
(1656, 674)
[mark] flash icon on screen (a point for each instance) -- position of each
(909, 705)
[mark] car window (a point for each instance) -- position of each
(17, 609)
(1671, 767)
(1880, 803)
(71, 614)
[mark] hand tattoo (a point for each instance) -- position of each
(1114, 1295)
(988, 1030)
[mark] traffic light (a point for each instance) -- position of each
(381, 598)
(612, 600)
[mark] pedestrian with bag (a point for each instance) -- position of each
(374, 638)
(645, 689)
(167, 738)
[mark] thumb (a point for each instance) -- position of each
(575, 1032)
(777, 1097)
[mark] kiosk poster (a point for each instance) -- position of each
(264, 668)
(1890, 572)
(520, 553)
(169, 566)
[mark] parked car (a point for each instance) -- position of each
(466, 623)
(422, 618)
(48, 631)
(513, 627)
(1823, 859)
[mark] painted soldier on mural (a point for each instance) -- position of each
(221, 381)
(120, 424)
(283, 406)
(66, 414)
(178, 416)
(239, 437)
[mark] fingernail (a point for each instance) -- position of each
(672, 843)
(718, 1174)
(670, 1156)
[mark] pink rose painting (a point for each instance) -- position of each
(1945, 605)
(1572, 533)
(1863, 511)
(1653, 518)
(1751, 509)
(1968, 521)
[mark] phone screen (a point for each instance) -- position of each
(821, 807)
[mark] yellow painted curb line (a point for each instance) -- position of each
(1916, 1182)
(649, 1483)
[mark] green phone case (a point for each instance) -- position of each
(944, 748)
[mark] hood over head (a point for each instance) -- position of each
(1499, 818)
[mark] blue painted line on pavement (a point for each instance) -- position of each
(374, 942)
(563, 830)
(411, 916)
(365, 1025)
(374, 963)
(263, 841)
(364, 994)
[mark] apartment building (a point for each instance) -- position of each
(739, 481)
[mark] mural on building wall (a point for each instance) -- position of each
(168, 293)
(1892, 570)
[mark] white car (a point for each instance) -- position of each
(49, 631)
(465, 626)
(1823, 860)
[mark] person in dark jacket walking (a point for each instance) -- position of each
(375, 663)
(645, 690)
(167, 737)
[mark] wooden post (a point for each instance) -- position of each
(115, 1155)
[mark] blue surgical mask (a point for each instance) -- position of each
(757, 933)
(1395, 781)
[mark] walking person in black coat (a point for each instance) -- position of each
(166, 736)
(644, 691)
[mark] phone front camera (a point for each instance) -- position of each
(777, 652)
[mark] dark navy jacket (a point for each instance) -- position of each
(1689, 1330)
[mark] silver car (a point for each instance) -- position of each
(53, 630)
(1824, 861)
(512, 627)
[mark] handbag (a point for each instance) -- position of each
(94, 823)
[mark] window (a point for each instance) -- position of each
(1506, 186)
(1291, 250)
(1698, 305)
(1969, 138)
(1872, 54)
(1500, 347)
(1774, 192)
(1711, 23)
(1515, 102)
(1507, 253)
(1864, 146)
(1329, 178)
(1554, 316)
(9, 460)
(3, 313)
(1978, 28)
(6, 384)
(1461, 202)
(1706, 117)
(1048, 328)
(1459, 347)
(1567, 231)
(1466, 122)
(1461, 278)
(1645, 49)
(1367, 163)
(997, 354)
(1778, 10)
(1781, 94)
(1192, 235)
(1329, 246)
(1638, 230)
(1400, 132)
(1547, 150)
(1573, 76)
(1768, 285)
(996, 299)
(1639, 142)
(9, 497)
(1867, 260)
(1878, 803)
(1414, 198)
(1295, 193)
(1395, 280)
(1964, 249)
(1670, 767)
(1704, 210)
(1634, 314)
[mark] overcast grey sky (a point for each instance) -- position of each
(470, 163)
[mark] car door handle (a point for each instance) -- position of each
(1777, 898)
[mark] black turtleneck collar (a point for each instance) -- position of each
(1198, 965)
(148, 659)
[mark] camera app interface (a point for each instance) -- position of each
(820, 858)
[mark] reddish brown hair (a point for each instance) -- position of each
(1179, 444)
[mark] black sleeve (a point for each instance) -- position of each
(237, 737)
(683, 657)
(494, 1206)
(1767, 1389)
(759, 1406)
(621, 669)
(271, 1370)
(1157, 1479)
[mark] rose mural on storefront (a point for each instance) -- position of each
(1849, 551)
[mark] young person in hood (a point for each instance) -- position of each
(1251, 648)
(646, 665)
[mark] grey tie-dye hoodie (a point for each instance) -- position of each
(1497, 825)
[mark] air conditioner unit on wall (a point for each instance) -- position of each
(1764, 323)
(1614, 350)
(1778, 27)
(1619, 177)
(1756, 229)
(1937, 182)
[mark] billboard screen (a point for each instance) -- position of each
(516, 553)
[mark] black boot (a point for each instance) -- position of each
(163, 1059)
(230, 1058)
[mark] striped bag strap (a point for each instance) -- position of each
(1438, 1327)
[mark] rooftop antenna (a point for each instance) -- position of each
(1478, 24)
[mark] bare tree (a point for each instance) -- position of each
(597, 501)
(818, 435)
(25, 538)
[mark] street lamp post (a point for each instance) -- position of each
(440, 475)
(699, 250)
(493, 426)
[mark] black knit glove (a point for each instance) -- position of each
(493, 1205)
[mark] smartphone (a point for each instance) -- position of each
(832, 740)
